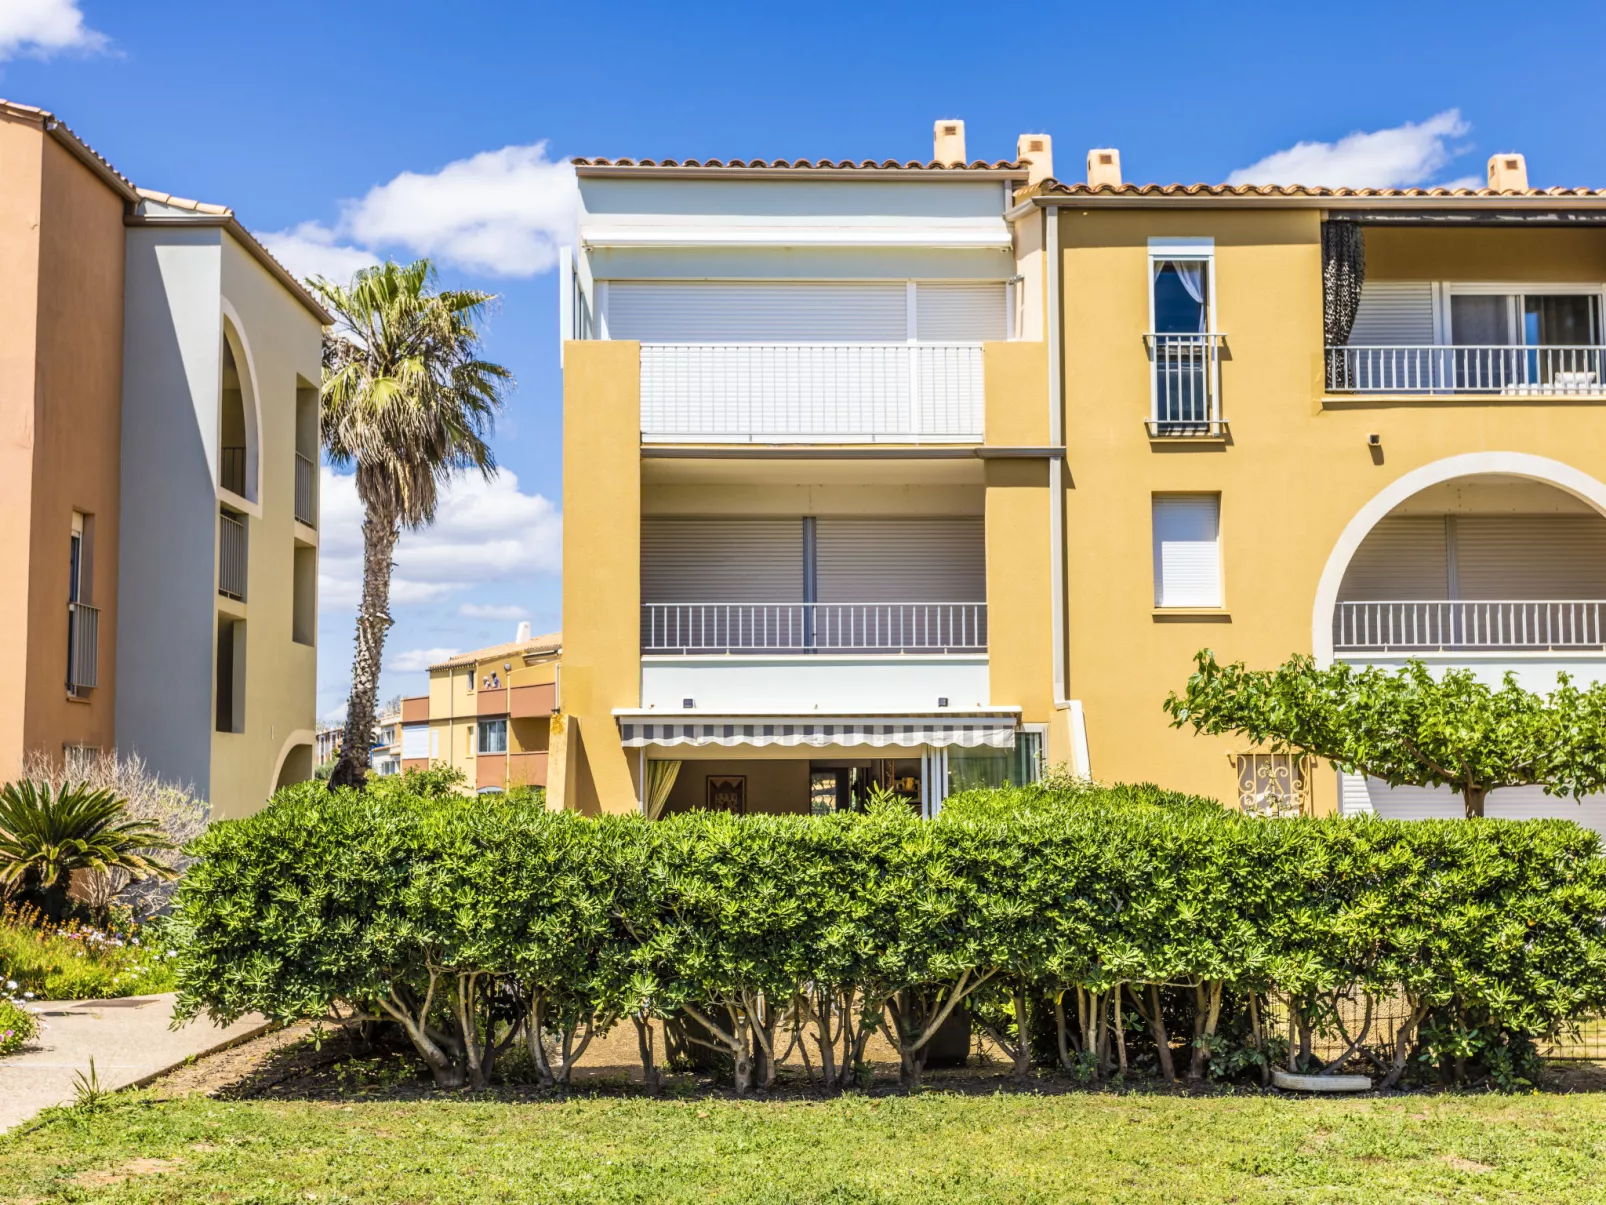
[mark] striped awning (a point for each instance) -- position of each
(972, 730)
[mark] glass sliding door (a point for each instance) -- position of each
(1564, 331)
(1481, 331)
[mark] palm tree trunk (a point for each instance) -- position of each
(379, 533)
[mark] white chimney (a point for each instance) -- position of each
(1508, 173)
(523, 635)
(1036, 151)
(1104, 167)
(948, 141)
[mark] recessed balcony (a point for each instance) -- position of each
(874, 629)
(812, 392)
(1495, 369)
(1480, 625)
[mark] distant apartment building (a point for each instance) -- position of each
(488, 713)
(384, 756)
(158, 483)
(927, 475)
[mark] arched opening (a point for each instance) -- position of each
(1500, 568)
(296, 767)
(237, 421)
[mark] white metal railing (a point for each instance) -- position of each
(1512, 370)
(819, 392)
(1470, 624)
(306, 475)
(83, 647)
(231, 558)
(896, 627)
(1186, 373)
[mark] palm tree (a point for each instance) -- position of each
(47, 834)
(407, 400)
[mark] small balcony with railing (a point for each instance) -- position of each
(232, 555)
(306, 500)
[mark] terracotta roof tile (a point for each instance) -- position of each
(65, 133)
(836, 165)
(551, 642)
(1052, 187)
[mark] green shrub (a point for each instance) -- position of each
(17, 1024)
(1120, 929)
(80, 962)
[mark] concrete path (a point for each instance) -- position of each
(129, 1040)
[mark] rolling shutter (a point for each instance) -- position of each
(1394, 313)
(745, 312)
(1531, 556)
(901, 560)
(960, 313)
(1402, 558)
(721, 560)
(415, 740)
(1187, 551)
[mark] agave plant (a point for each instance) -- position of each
(47, 834)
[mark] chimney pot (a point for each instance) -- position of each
(523, 633)
(1508, 172)
(948, 141)
(1104, 167)
(1036, 151)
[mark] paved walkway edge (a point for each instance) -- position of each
(146, 1081)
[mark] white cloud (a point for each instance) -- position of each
(484, 531)
(1404, 155)
(503, 213)
(40, 28)
(493, 611)
(414, 660)
(311, 250)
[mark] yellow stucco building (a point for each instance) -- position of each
(934, 474)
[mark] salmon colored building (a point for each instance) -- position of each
(158, 478)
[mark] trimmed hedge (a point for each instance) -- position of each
(1100, 920)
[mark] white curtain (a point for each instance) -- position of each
(1191, 273)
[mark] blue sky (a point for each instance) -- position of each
(341, 131)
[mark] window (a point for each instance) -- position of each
(1187, 550)
(230, 674)
(1182, 337)
(493, 736)
(1508, 340)
(83, 620)
(1273, 785)
(304, 595)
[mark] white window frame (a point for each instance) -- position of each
(1201, 249)
(1445, 290)
(1158, 567)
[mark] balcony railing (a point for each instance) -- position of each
(811, 392)
(306, 475)
(1186, 384)
(1506, 370)
(943, 627)
(83, 647)
(231, 556)
(231, 470)
(1469, 624)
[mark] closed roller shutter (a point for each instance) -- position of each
(1531, 556)
(1187, 551)
(1394, 313)
(415, 740)
(901, 560)
(721, 560)
(1402, 558)
(1508, 803)
(718, 312)
(960, 313)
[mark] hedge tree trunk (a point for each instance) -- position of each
(1473, 797)
(649, 1058)
(380, 531)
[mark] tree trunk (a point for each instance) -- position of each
(649, 1060)
(379, 534)
(1162, 1040)
(1023, 1037)
(1473, 796)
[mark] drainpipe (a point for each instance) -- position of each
(1056, 439)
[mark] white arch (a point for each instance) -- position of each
(1512, 464)
(233, 330)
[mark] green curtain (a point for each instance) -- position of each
(661, 777)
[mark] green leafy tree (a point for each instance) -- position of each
(1408, 727)
(408, 401)
(49, 833)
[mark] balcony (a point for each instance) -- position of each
(1186, 385)
(854, 628)
(812, 392)
(83, 647)
(231, 470)
(231, 561)
(1494, 369)
(1465, 625)
(306, 476)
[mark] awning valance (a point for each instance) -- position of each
(964, 730)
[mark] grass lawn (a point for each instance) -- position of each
(939, 1147)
